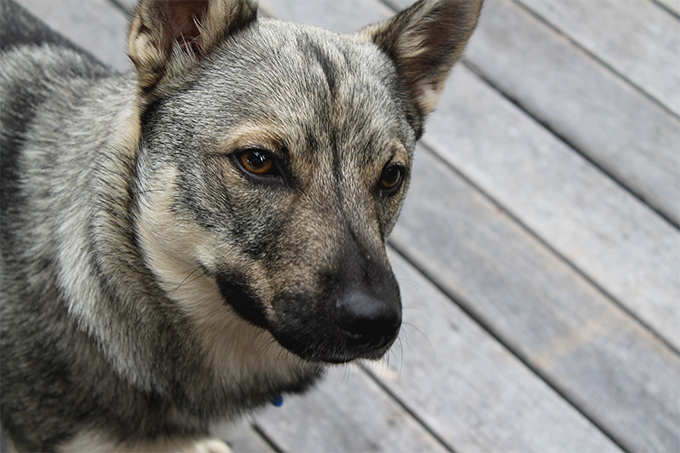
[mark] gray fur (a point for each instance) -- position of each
(150, 284)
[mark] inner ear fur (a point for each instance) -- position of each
(424, 41)
(168, 37)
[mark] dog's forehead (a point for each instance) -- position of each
(312, 81)
(338, 56)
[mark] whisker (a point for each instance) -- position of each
(427, 340)
(185, 280)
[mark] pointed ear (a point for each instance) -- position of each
(424, 41)
(168, 37)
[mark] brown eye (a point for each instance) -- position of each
(257, 162)
(391, 178)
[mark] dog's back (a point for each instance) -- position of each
(38, 66)
(43, 78)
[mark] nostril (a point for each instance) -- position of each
(368, 323)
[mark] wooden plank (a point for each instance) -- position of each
(127, 5)
(635, 37)
(95, 25)
(613, 238)
(346, 412)
(612, 123)
(599, 358)
(465, 386)
(242, 438)
(672, 5)
(345, 16)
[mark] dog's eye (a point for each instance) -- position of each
(391, 179)
(257, 162)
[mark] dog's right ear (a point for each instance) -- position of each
(424, 41)
(168, 37)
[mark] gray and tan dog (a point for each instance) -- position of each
(186, 242)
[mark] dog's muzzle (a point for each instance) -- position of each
(353, 318)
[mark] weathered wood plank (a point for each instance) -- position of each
(612, 123)
(95, 25)
(619, 374)
(466, 387)
(127, 5)
(627, 249)
(346, 412)
(635, 37)
(242, 438)
(347, 16)
(672, 5)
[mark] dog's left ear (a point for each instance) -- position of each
(424, 41)
(168, 37)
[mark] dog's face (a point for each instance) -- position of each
(290, 156)
(273, 168)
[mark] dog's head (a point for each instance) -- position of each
(274, 159)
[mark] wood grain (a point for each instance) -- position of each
(672, 5)
(96, 25)
(472, 391)
(605, 118)
(609, 367)
(613, 238)
(635, 37)
(347, 412)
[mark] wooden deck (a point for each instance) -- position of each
(538, 252)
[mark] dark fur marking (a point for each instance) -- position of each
(236, 294)
(261, 247)
(15, 117)
(314, 52)
(328, 68)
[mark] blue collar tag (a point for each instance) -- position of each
(277, 401)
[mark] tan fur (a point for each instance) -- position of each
(265, 135)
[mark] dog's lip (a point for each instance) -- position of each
(372, 355)
(338, 353)
(340, 358)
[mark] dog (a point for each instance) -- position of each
(187, 242)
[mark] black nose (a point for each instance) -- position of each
(367, 322)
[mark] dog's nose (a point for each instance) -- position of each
(367, 322)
